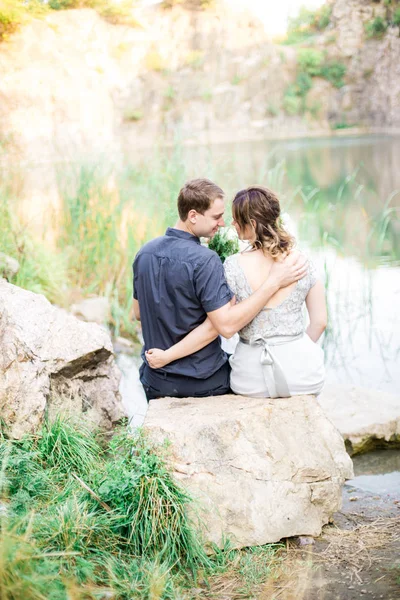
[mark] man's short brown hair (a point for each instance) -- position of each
(197, 194)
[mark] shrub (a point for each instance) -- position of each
(343, 125)
(307, 23)
(292, 103)
(376, 28)
(16, 12)
(272, 110)
(396, 16)
(323, 17)
(133, 115)
(334, 72)
(303, 84)
(310, 60)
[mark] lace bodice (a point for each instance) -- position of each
(284, 319)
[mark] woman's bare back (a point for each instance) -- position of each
(256, 267)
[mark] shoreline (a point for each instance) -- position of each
(120, 156)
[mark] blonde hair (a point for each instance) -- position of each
(259, 204)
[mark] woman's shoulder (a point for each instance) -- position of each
(231, 260)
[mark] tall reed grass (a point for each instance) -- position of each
(121, 529)
(108, 213)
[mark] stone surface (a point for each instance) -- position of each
(95, 310)
(365, 418)
(50, 361)
(9, 266)
(260, 469)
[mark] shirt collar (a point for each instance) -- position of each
(185, 235)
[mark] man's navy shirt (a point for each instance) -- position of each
(176, 282)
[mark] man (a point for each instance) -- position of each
(178, 283)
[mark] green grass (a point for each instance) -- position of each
(106, 216)
(130, 536)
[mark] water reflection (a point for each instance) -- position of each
(377, 472)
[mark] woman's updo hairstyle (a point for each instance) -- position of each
(259, 204)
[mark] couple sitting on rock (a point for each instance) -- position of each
(185, 299)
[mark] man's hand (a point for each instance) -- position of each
(156, 358)
(290, 269)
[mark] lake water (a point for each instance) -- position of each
(377, 472)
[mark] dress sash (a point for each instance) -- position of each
(273, 373)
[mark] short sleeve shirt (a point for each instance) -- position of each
(177, 281)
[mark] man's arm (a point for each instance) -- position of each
(136, 309)
(194, 341)
(229, 319)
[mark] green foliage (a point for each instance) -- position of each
(65, 446)
(396, 17)
(297, 37)
(376, 28)
(292, 103)
(14, 13)
(303, 84)
(56, 534)
(343, 125)
(236, 80)
(303, 20)
(272, 110)
(198, 4)
(307, 23)
(133, 115)
(310, 61)
(323, 17)
(334, 71)
(294, 100)
(223, 244)
(40, 271)
(129, 537)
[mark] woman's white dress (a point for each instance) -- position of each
(275, 357)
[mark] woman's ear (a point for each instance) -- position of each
(253, 222)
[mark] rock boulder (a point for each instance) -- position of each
(367, 419)
(260, 469)
(52, 362)
(9, 266)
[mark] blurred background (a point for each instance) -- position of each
(107, 107)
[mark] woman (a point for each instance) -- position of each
(276, 356)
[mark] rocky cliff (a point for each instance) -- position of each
(74, 85)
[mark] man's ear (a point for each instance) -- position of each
(192, 216)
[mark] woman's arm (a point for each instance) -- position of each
(316, 307)
(195, 340)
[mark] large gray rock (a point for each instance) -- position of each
(9, 266)
(261, 469)
(366, 418)
(50, 361)
(93, 310)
